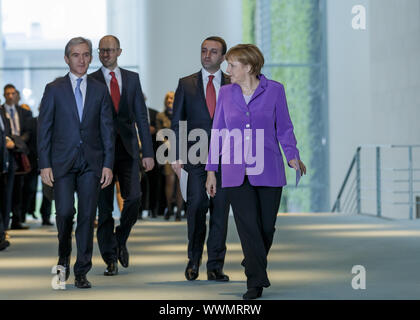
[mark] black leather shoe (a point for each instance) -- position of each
(4, 244)
(47, 223)
(111, 269)
(82, 282)
(178, 216)
(65, 262)
(123, 255)
(253, 293)
(19, 226)
(217, 275)
(191, 272)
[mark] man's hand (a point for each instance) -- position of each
(298, 166)
(106, 178)
(47, 176)
(10, 143)
(148, 164)
(176, 166)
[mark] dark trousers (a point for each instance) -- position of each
(45, 209)
(86, 183)
(6, 194)
(30, 186)
(126, 170)
(255, 211)
(198, 204)
(17, 200)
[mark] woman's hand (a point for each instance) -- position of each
(298, 165)
(211, 183)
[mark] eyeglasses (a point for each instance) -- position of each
(107, 50)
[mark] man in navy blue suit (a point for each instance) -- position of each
(76, 152)
(129, 110)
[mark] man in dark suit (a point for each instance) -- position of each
(20, 124)
(195, 102)
(76, 152)
(129, 110)
(5, 145)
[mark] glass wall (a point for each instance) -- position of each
(34, 34)
(292, 36)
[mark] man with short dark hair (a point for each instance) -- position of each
(76, 153)
(129, 110)
(20, 124)
(195, 102)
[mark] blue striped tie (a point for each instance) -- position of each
(79, 98)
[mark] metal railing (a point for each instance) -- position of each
(352, 193)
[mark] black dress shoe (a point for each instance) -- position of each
(191, 272)
(111, 269)
(253, 293)
(65, 262)
(19, 226)
(217, 275)
(123, 255)
(82, 282)
(4, 244)
(47, 223)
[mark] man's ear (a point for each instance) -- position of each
(66, 59)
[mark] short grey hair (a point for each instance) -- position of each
(76, 41)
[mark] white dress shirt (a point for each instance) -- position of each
(217, 81)
(108, 77)
(83, 85)
(1, 124)
(15, 129)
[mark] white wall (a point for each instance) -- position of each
(374, 88)
(174, 31)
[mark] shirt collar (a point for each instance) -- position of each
(9, 107)
(74, 78)
(217, 75)
(106, 71)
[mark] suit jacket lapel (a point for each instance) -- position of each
(87, 98)
(71, 98)
(124, 81)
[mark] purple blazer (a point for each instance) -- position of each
(249, 143)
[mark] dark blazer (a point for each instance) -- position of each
(190, 105)
(4, 153)
(61, 134)
(132, 110)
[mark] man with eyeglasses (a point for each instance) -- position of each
(129, 110)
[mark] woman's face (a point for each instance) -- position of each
(238, 72)
(170, 100)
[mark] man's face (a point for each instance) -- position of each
(79, 59)
(211, 55)
(10, 95)
(109, 52)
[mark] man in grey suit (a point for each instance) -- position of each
(76, 152)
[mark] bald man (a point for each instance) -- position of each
(129, 110)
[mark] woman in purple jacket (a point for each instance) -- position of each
(251, 120)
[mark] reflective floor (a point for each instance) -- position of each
(312, 258)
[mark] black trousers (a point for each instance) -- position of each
(255, 212)
(30, 186)
(198, 204)
(6, 194)
(86, 184)
(127, 171)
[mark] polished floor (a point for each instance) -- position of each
(312, 258)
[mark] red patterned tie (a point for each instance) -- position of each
(211, 96)
(115, 91)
